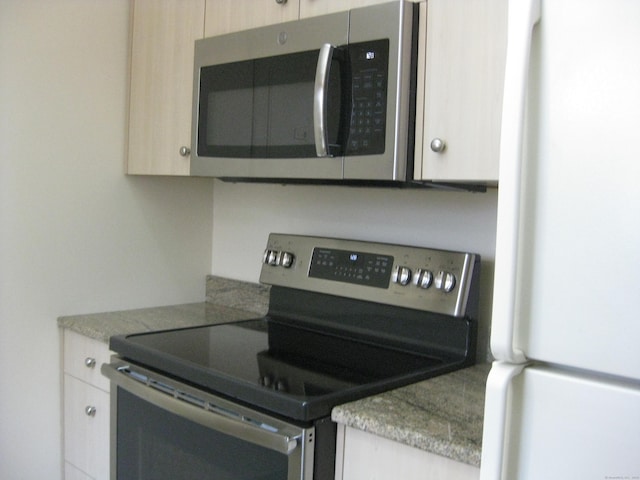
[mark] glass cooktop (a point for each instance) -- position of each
(296, 371)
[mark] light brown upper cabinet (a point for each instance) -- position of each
(460, 90)
(226, 16)
(312, 8)
(163, 36)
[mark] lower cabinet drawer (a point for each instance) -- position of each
(83, 357)
(86, 428)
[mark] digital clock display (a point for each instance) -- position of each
(351, 267)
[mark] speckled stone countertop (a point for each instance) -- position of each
(227, 300)
(442, 415)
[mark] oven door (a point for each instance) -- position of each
(163, 429)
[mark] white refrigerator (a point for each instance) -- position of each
(563, 396)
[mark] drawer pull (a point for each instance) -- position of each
(90, 362)
(90, 410)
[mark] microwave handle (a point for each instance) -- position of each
(321, 87)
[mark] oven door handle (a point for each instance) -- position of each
(245, 429)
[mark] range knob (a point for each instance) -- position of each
(266, 381)
(285, 259)
(270, 257)
(401, 275)
(445, 281)
(423, 278)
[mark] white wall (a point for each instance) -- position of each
(245, 214)
(76, 234)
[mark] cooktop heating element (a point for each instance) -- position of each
(346, 319)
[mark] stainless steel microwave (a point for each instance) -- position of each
(323, 99)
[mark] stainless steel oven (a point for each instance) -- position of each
(166, 429)
(252, 399)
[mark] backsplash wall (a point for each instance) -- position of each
(245, 214)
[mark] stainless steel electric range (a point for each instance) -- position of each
(252, 399)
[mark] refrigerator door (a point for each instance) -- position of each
(560, 424)
(574, 262)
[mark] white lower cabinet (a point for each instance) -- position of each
(86, 408)
(364, 456)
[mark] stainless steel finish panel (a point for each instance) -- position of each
(212, 412)
(464, 266)
(272, 40)
(392, 21)
(323, 168)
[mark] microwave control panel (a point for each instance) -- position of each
(369, 62)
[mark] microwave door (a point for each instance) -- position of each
(258, 108)
(262, 113)
(303, 104)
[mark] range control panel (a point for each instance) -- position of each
(421, 278)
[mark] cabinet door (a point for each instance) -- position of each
(86, 432)
(83, 357)
(226, 16)
(162, 48)
(312, 8)
(462, 98)
(368, 457)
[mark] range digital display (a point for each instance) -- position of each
(350, 266)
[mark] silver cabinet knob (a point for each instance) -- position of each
(90, 410)
(281, 2)
(90, 362)
(437, 145)
(185, 151)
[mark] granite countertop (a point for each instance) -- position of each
(227, 300)
(442, 415)
(101, 326)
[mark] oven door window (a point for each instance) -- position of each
(264, 108)
(153, 443)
